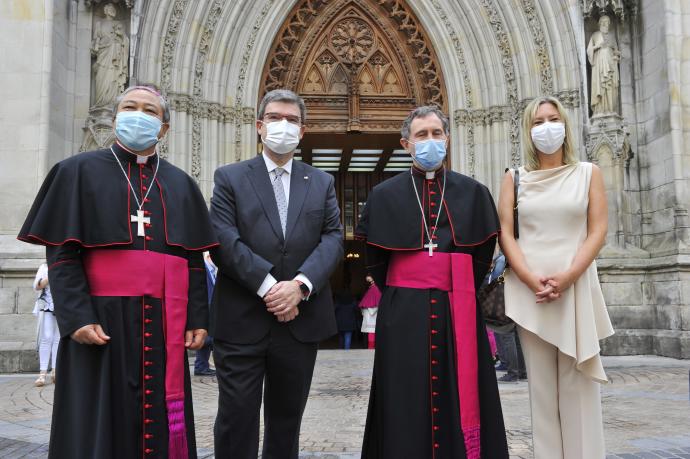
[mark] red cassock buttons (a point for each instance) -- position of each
(147, 348)
(436, 445)
(148, 306)
(148, 377)
(436, 427)
(148, 421)
(434, 362)
(433, 332)
(434, 347)
(148, 335)
(434, 301)
(149, 238)
(148, 450)
(144, 176)
(148, 321)
(147, 200)
(434, 378)
(435, 394)
(141, 165)
(148, 406)
(434, 316)
(147, 212)
(148, 436)
(143, 187)
(148, 363)
(435, 410)
(433, 204)
(434, 215)
(148, 391)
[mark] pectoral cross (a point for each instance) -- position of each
(431, 246)
(140, 220)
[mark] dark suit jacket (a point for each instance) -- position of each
(245, 217)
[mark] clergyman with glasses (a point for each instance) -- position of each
(430, 235)
(278, 223)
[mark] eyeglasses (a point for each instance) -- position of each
(273, 117)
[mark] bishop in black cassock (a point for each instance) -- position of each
(138, 273)
(430, 239)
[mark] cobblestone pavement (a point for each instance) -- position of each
(646, 410)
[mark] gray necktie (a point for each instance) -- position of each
(279, 191)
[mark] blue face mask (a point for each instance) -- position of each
(137, 130)
(429, 154)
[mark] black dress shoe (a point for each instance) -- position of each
(208, 372)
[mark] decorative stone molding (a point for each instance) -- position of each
(570, 98)
(620, 8)
(241, 79)
(535, 26)
(460, 54)
(170, 43)
(503, 42)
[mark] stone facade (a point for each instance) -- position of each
(209, 56)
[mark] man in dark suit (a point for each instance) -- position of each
(278, 223)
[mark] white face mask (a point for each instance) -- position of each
(282, 137)
(548, 137)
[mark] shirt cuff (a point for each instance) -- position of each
(303, 279)
(266, 285)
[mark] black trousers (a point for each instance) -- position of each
(285, 367)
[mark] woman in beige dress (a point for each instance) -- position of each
(552, 291)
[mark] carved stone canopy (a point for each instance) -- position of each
(360, 65)
(619, 8)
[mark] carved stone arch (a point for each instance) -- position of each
(373, 57)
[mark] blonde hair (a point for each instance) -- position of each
(530, 152)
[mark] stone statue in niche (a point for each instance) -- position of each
(603, 55)
(110, 46)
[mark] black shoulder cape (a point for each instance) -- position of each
(86, 199)
(392, 219)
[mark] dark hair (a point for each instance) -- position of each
(150, 87)
(282, 95)
(423, 112)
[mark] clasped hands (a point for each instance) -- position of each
(94, 334)
(549, 288)
(282, 300)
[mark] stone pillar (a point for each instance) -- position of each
(643, 153)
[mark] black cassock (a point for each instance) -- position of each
(414, 402)
(110, 400)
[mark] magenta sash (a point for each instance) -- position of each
(146, 273)
(453, 273)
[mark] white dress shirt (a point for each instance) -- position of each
(270, 281)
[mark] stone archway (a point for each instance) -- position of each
(361, 65)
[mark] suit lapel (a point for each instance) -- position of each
(260, 180)
(300, 180)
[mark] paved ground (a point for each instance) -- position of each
(646, 410)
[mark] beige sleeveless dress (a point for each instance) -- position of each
(553, 225)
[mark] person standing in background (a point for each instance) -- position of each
(48, 334)
(370, 306)
(201, 365)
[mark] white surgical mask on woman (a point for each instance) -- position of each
(548, 137)
(281, 137)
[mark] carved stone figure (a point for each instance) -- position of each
(110, 46)
(603, 55)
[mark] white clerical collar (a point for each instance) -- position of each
(270, 165)
(140, 159)
(430, 175)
